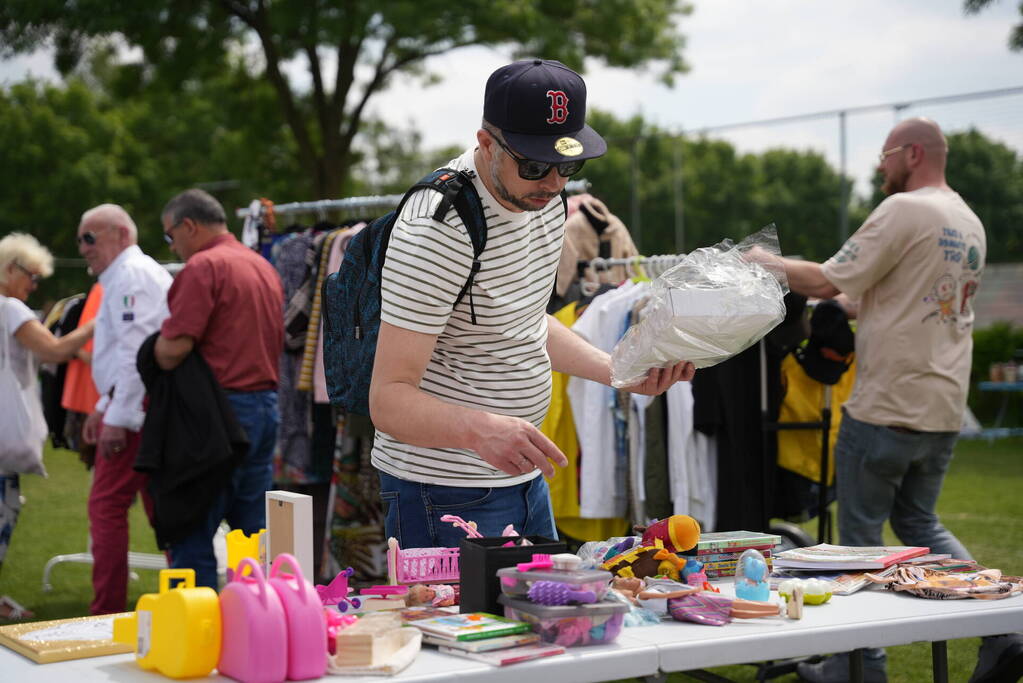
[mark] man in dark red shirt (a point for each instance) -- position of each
(227, 304)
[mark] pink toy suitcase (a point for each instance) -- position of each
(254, 632)
(307, 626)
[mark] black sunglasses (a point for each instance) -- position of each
(36, 278)
(90, 236)
(535, 170)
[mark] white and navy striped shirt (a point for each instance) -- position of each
(500, 365)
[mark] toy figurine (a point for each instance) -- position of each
(643, 561)
(436, 595)
(677, 533)
(751, 577)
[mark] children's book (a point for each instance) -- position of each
(724, 541)
(826, 556)
(509, 655)
(471, 626)
(485, 645)
(411, 614)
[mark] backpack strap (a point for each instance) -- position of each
(459, 193)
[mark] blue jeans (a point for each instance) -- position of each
(889, 474)
(242, 503)
(414, 511)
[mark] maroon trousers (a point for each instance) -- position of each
(114, 486)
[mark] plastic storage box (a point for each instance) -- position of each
(567, 625)
(515, 584)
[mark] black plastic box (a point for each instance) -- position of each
(478, 562)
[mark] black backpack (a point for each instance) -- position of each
(351, 296)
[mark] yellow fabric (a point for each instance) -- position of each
(799, 450)
(559, 427)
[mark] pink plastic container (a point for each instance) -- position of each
(307, 625)
(254, 632)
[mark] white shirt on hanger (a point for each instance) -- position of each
(602, 324)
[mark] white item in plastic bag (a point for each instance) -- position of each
(717, 302)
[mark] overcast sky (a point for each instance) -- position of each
(753, 60)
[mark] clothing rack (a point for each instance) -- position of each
(322, 206)
(655, 265)
(254, 213)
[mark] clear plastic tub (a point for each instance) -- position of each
(569, 625)
(515, 584)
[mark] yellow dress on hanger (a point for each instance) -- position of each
(559, 427)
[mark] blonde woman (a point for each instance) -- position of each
(23, 263)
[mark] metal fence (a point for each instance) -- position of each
(848, 138)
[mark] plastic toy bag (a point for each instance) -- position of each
(717, 302)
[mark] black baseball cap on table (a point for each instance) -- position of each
(540, 107)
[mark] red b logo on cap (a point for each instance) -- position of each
(559, 106)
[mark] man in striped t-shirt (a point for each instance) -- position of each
(457, 405)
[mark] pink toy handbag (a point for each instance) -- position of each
(303, 612)
(254, 635)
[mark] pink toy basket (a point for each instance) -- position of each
(254, 633)
(307, 625)
(421, 565)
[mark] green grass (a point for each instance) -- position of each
(981, 504)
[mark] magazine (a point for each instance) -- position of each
(826, 556)
(508, 655)
(471, 626)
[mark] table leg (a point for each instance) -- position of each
(856, 666)
(939, 661)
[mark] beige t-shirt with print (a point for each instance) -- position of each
(914, 266)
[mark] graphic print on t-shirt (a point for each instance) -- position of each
(951, 296)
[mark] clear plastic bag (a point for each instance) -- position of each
(717, 302)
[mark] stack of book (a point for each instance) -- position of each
(477, 635)
(719, 551)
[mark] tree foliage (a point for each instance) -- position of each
(988, 175)
(107, 136)
(1015, 36)
(723, 193)
(351, 48)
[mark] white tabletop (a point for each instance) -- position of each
(870, 618)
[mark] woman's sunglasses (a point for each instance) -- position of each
(535, 170)
(36, 278)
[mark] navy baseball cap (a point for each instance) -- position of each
(540, 107)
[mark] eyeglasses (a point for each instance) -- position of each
(888, 152)
(90, 236)
(36, 278)
(167, 236)
(535, 170)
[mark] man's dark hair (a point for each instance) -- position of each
(196, 204)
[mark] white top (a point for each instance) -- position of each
(500, 365)
(23, 362)
(915, 265)
(601, 492)
(133, 307)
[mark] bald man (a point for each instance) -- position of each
(134, 305)
(911, 271)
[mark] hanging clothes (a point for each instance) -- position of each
(559, 427)
(604, 485)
